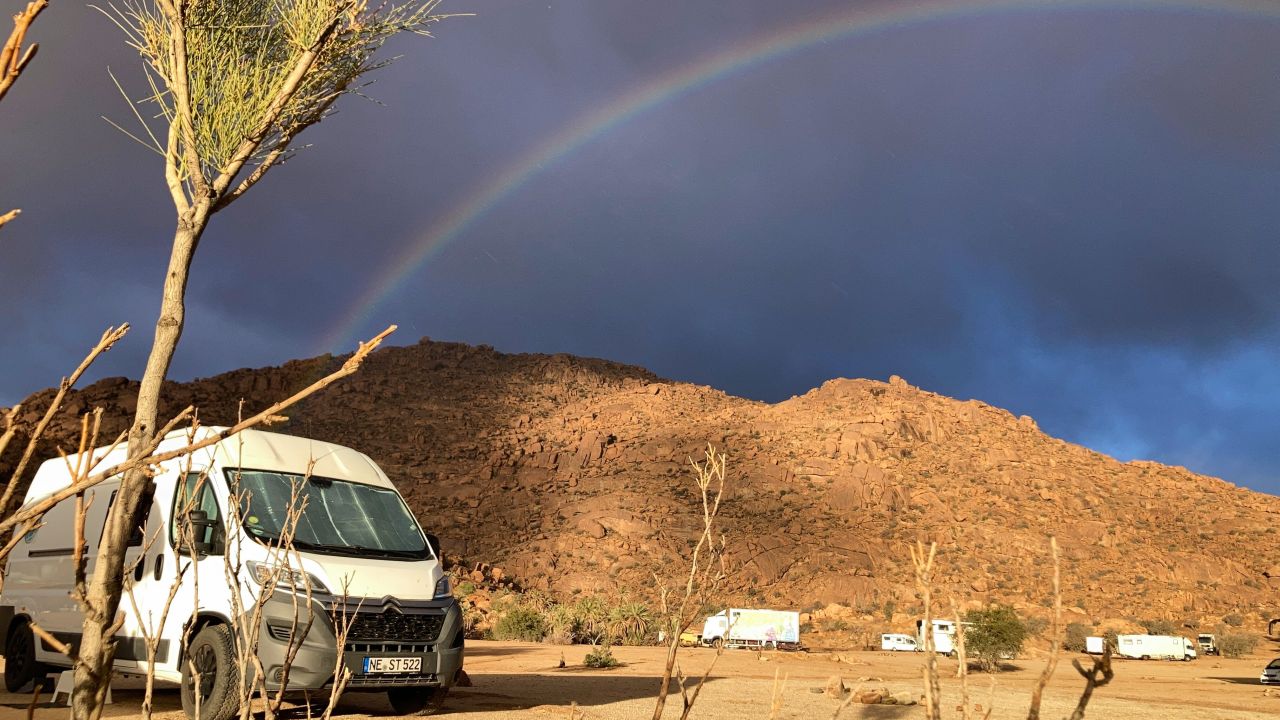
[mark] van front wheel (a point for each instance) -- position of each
(20, 666)
(210, 672)
(417, 700)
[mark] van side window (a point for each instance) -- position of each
(139, 522)
(194, 493)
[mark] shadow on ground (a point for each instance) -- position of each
(521, 692)
(1238, 680)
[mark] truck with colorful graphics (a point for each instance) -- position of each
(753, 628)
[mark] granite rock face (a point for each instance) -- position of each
(572, 474)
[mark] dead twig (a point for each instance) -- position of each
(922, 561)
(1056, 631)
(13, 59)
(1095, 677)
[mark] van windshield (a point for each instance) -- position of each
(332, 516)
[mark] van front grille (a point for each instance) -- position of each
(394, 626)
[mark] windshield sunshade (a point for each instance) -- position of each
(336, 516)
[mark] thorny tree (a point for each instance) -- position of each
(233, 83)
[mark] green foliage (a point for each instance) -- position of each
(1237, 644)
(1234, 620)
(521, 623)
(593, 619)
(629, 623)
(563, 625)
(1160, 627)
(600, 657)
(239, 55)
(995, 633)
(1074, 640)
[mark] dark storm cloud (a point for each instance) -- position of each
(1069, 214)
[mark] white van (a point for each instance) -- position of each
(898, 642)
(357, 548)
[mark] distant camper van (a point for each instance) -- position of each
(359, 553)
(898, 642)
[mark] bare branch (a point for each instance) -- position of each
(13, 60)
(1095, 677)
(50, 640)
(1056, 632)
(109, 338)
(922, 561)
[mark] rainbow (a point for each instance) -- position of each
(862, 19)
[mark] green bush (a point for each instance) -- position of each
(1234, 620)
(600, 657)
(1237, 644)
(563, 625)
(1160, 627)
(521, 623)
(629, 623)
(593, 619)
(994, 633)
(1074, 641)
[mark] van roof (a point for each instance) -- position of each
(254, 449)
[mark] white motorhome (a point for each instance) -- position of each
(740, 627)
(898, 642)
(1155, 647)
(944, 636)
(1095, 645)
(218, 516)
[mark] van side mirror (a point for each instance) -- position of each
(201, 524)
(433, 542)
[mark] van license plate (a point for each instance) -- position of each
(392, 664)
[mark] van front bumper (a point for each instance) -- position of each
(430, 630)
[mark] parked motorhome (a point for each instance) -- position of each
(218, 516)
(898, 642)
(944, 636)
(741, 627)
(1155, 647)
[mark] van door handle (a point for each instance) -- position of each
(159, 571)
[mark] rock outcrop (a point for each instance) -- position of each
(572, 474)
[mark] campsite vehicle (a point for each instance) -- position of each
(1158, 647)
(944, 636)
(1208, 644)
(1271, 673)
(742, 627)
(898, 642)
(213, 526)
(1095, 645)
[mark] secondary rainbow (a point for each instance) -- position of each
(704, 71)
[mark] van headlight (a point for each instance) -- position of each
(284, 576)
(444, 588)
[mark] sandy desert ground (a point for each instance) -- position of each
(522, 680)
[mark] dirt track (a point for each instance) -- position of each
(521, 680)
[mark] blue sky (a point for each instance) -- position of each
(1070, 213)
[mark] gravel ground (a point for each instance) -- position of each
(523, 680)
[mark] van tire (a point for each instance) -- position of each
(417, 700)
(212, 651)
(20, 666)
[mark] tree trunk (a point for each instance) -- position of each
(101, 599)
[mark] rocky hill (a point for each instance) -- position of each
(573, 476)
